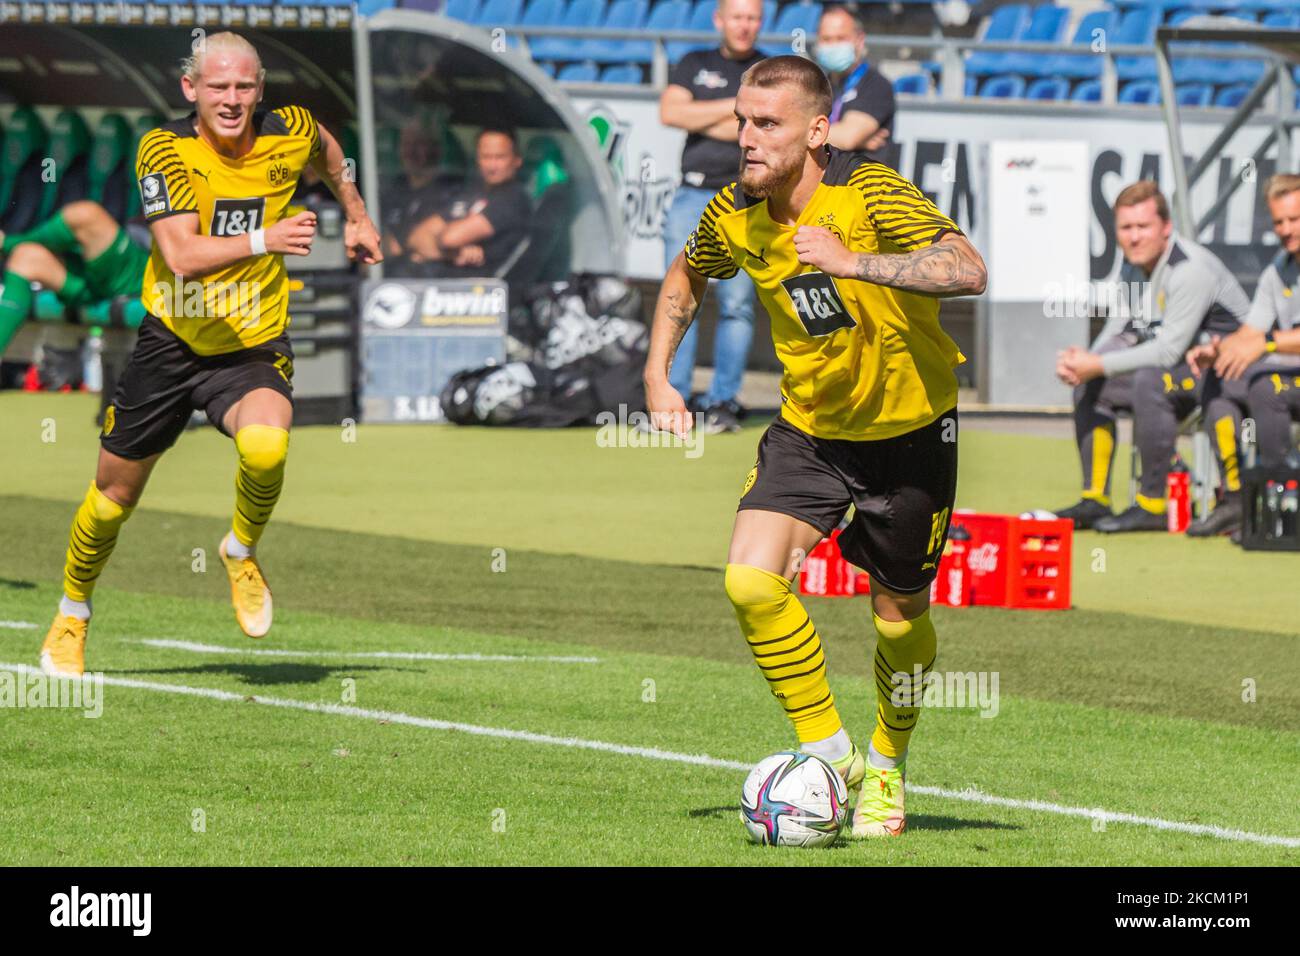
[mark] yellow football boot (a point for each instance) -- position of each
(249, 593)
(64, 652)
(879, 812)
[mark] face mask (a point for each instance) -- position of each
(836, 57)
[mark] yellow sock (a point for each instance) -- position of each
(786, 648)
(91, 541)
(902, 647)
(262, 452)
(1225, 433)
(1103, 450)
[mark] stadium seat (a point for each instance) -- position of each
(1003, 88)
(500, 13)
(701, 20)
(465, 11)
(1195, 94)
(1231, 95)
(622, 73)
(538, 13)
(623, 15)
(1089, 91)
(578, 73)
(547, 67)
(544, 255)
(139, 126)
(915, 84)
(21, 188)
(366, 7)
(1200, 69)
(1005, 24)
(579, 15)
(1140, 91)
(1047, 24)
(667, 16)
(1048, 88)
(112, 163)
(1078, 66)
(69, 147)
(1138, 28)
(795, 16)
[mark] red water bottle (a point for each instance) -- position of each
(957, 585)
(1178, 497)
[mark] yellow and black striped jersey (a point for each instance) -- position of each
(862, 361)
(246, 303)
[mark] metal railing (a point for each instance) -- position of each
(947, 52)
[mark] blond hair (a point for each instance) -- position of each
(1280, 185)
(225, 42)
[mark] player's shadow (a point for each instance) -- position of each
(915, 821)
(15, 585)
(263, 674)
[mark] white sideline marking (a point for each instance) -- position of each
(20, 625)
(969, 795)
(387, 655)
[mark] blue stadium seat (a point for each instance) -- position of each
(1231, 95)
(1048, 88)
(1003, 88)
(465, 11)
(1200, 69)
(667, 16)
(1089, 91)
(580, 15)
(623, 15)
(621, 73)
(972, 85)
(1282, 19)
(701, 19)
(1006, 23)
(1194, 94)
(1047, 24)
(1140, 91)
(542, 13)
(500, 13)
(370, 7)
(795, 16)
(546, 67)
(1138, 28)
(578, 73)
(915, 84)
(1079, 66)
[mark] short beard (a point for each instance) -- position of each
(763, 185)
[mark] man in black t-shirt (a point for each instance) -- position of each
(701, 99)
(420, 192)
(862, 111)
(482, 222)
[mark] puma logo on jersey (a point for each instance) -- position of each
(759, 256)
(198, 172)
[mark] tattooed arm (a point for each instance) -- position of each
(949, 267)
(679, 296)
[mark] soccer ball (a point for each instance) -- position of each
(793, 799)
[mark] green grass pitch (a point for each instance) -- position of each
(559, 646)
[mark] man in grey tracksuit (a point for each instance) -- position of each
(1137, 364)
(1265, 352)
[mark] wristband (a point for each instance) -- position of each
(257, 239)
(1270, 344)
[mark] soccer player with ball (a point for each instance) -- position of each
(849, 259)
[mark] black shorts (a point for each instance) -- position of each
(902, 490)
(165, 382)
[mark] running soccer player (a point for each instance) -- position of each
(850, 260)
(215, 187)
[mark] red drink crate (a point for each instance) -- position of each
(1040, 562)
(1010, 562)
(825, 573)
